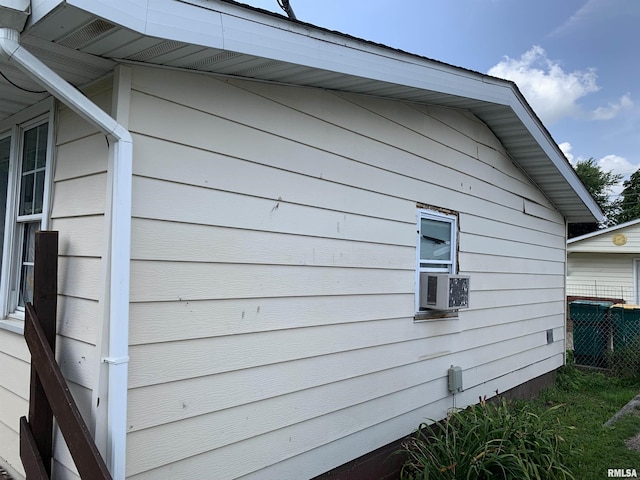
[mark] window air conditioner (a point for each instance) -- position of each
(443, 291)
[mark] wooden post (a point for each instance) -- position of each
(45, 302)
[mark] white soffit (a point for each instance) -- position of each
(225, 37)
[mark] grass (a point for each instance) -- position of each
(558, 435)
(588, 400)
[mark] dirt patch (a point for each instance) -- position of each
(633, 443)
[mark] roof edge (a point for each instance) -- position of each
(240, 28)
(604, 231)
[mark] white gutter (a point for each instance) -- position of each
(118, 301)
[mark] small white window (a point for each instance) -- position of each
(31, 198)
(436, 246)
(24, 177)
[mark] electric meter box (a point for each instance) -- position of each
(455, 379)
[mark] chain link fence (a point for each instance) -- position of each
(599, 291)
(605, 335)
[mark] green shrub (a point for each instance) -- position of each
(624, 361)
(570, 378)
(487, 441)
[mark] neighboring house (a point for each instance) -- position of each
(241, 237)
(605, 264)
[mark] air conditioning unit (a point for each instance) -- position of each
(443, 291)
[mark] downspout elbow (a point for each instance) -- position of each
(9, 42)
(15, 53)
(121, 134)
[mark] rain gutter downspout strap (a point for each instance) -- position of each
(117, 359)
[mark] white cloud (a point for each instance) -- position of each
(609, 163)
(617, 165)
(552, 92)
(566, 148)
(610, 111)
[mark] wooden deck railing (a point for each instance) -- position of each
(49, 394)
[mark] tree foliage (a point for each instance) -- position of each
(598, 183)
(630, 202)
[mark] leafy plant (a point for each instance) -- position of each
(624, 361)
(488, 441)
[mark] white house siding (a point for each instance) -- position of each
(273, 269)
(78, 199)
(14, 395)
(598, 267)
(603, 275)
(603, 242)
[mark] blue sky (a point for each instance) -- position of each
(576, 61)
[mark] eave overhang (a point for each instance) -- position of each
(84, 39)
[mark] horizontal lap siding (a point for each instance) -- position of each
(77, 214)
(79, 202)
(602, 274)
(14, 395)
(10, 441)
(323, 458)
(80, 186)
(78, 205)
(604, 242)
(273, 269)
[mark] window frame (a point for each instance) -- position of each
(438, 216)
(11, 315)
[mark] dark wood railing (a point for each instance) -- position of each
(49, 394)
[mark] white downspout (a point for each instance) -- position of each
(118, 300)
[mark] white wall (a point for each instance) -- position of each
(80, 184)
(273, 269)
(599, 267)
(603, 275)
(14, 396)
(78, 206)
(627, 241)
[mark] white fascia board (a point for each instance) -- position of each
(40, 9)
(235, 28)
(128, 13)
(551, 149)
(168, 19)
(226, 26)
(175, 20)
(331, 52)
(257, 34)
